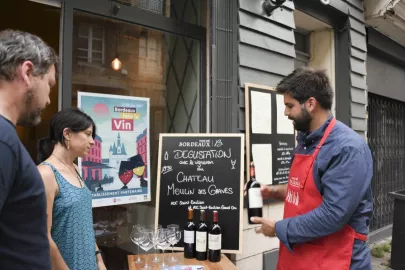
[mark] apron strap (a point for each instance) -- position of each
(325, 135)
(361, 237)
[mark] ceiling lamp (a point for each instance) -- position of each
(116, 63)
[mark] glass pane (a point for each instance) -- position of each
(301, 42)
(187, 10)
(97, 31)
(83, 30)
(97, 55)
(97, 45)
(82, 43)
(160, 66)
(82, 53)
(97, 61)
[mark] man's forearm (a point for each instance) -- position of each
(279, 192)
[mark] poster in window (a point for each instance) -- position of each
(117, 169)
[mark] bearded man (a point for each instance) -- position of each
(27, 74)
(328, 198)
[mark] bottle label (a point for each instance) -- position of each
(255, 198)
(201, 239)
(189, 237)
(214, 241)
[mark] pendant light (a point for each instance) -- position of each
(116, 63)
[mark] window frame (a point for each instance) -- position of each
(137, 16)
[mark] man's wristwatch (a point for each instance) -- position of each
(98, 252)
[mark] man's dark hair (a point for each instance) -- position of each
(304, 83)
(16, 47)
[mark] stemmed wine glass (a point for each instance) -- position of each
(174, 238)
(120, 219)
(146, 244)
(155, 234)
(163, 244)
(136, 237)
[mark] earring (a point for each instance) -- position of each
(68, 145)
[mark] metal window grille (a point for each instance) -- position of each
(224, 42)
(386, 138)
(156, 6)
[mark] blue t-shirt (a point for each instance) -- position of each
(24, 240)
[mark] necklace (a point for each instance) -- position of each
(77, 174)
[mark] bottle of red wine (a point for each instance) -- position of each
(214, 240)
(189, 236)
(255, 200)
(201, 238)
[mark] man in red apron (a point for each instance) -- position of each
(328, 200)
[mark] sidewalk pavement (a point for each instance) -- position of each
(381, 249)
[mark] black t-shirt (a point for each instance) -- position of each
(23, 229)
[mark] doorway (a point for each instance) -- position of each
(43, 21)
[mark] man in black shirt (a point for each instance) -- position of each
(27, 73)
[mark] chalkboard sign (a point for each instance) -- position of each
(270, 135)
(202, 171)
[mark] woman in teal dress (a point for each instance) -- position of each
(70, 220)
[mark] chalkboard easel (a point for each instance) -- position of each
(202, 171)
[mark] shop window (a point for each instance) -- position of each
(90, 44)
(161, 66)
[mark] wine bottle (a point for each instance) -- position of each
(201, 238)
(255, 199)
(214, 240)
(189, 236)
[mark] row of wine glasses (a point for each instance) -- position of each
(148, 237)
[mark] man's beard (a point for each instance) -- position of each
(31, 116)
(302, 122)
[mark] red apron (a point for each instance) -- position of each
(331, 252)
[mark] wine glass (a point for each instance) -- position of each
(120, 219)
(146, 244)
(125, 173)
(136, 237)
(175, 226)
(152, 227)
(155, 240)
(172, 237)
(178, 236)
(103, 224)
(163, 244)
